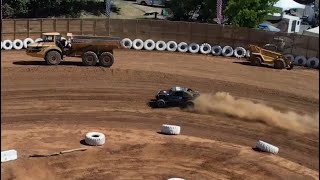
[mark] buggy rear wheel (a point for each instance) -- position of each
(255, 60)
(89, 58)
(161, 103)
(279, 64)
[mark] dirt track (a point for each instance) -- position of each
(47, 109)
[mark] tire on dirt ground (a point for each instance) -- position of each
(27, 41)
(89, 58)
(279, 64)
(172, 46)
(194, 48)
(95, 139)
(53, 57)
(227, 51)
(313, 62)
(170, 129)
(161, 103)
(205, 48)
(183, 47)
(7, 44)
(161, 45)
(149, 45)
(256, 61)
(17, 44)
(266, 147)
(106, 59)
(300, 60)
(137, 44)
(216, 50)
(239, 52)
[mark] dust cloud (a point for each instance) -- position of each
(224, 103)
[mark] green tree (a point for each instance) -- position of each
(15, 8)
(248, 13)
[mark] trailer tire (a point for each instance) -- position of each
(227, 51)
(89, 58)
(17, 44)
(27, 41)
(53, 57)
(126, 43)
(137, 44)
(161, 45)
(172, 46)
(205, 48)
(194, 48)
(216, 50)
(300, 60)
(313, 62)
(7, 44)
(106, 59)
(183, 47)
(239, 52)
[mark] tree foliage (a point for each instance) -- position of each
(248, 13)
(187, 10)
(52, 8)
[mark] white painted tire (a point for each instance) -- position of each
(95, 139)
(176, 179)
(300, 61)
(216, 50)
(172, 46)
(149, 45)
(183, 47)
(194, 48)
(38, 40)
(248, 53)
(161, 45)
(17, 44)
(266, 147)
(239, 52)
(313, 62)
(227, 51)
(290, 57)
(27, 41)
(1, 45)
(170, 129)
(205, 48)
(137, 44)
(9, 155)
(126, 43)
(7, 44)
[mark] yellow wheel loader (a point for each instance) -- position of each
(260, 56)
(93, 50)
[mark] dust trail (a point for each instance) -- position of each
(224, 103)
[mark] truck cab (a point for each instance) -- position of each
(50, 41)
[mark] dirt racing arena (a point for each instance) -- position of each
(47, 109)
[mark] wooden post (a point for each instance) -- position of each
(41, 27)
(14, 29)
(94, 27)
(68, 25)
(81, 26)
(28, 27)
(55, 25)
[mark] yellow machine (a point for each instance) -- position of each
(260, 55)
(91, 49)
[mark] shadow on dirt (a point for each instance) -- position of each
(83, 142)
(165, 134)
(249, 64)
(43, 63)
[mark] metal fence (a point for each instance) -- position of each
(158, 30)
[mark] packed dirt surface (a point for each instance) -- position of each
(47, 109)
